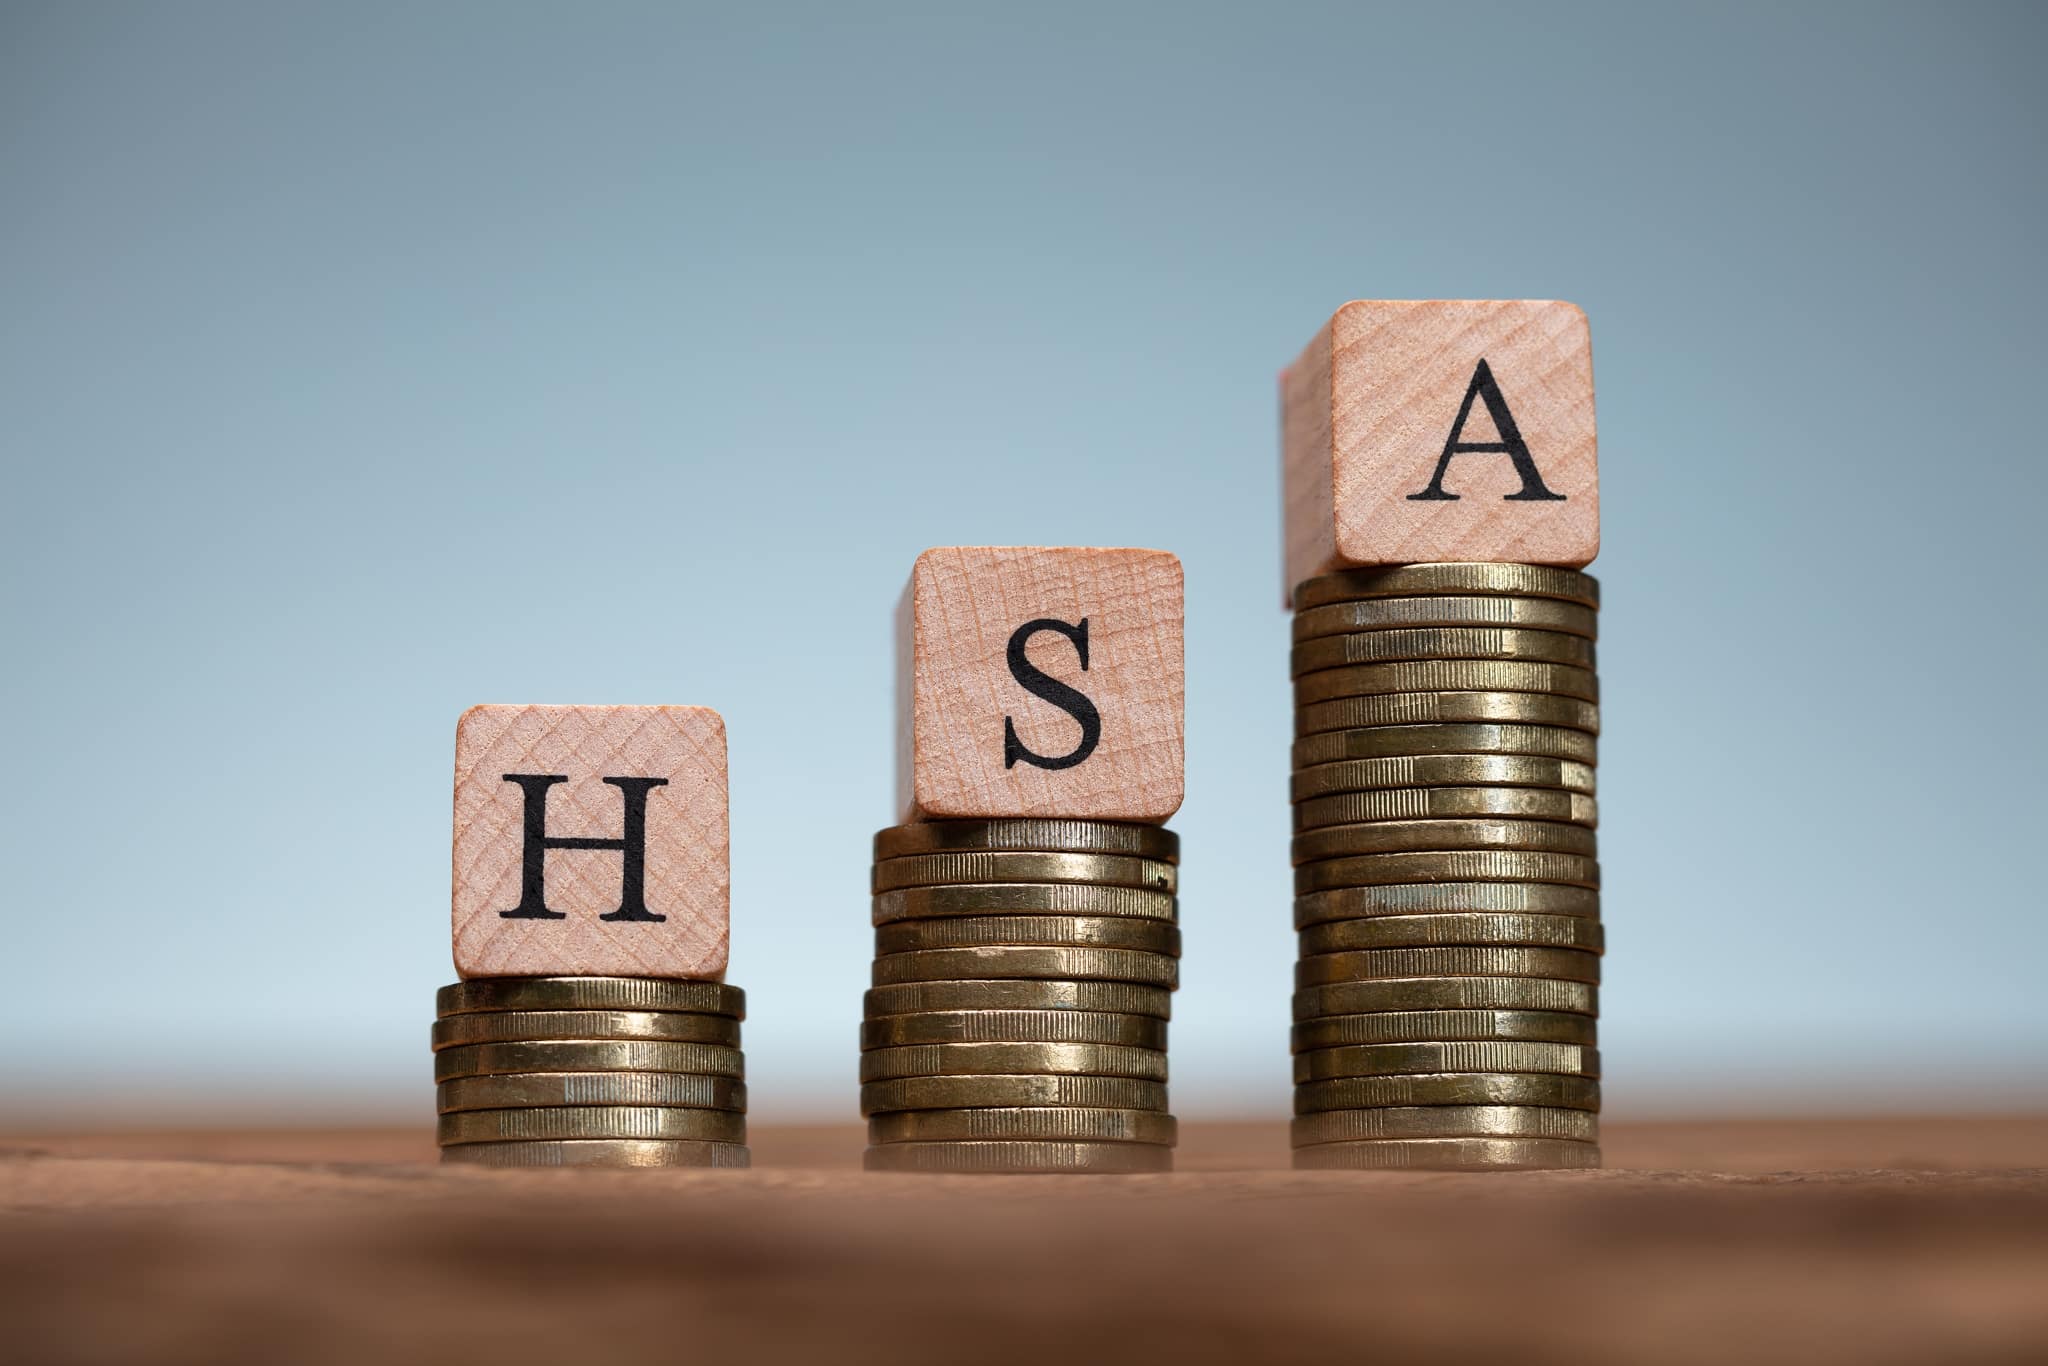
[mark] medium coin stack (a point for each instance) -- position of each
(590, 1072)
(1446, 889)
(1022, 979)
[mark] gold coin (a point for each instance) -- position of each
(1387, 994)
(1447, 803)
(1469, 865)
(593, 1121)
(1491, 1055)
(1444, 1026)
(1446, 1121)
(1566, 965)
(1548, 1089)
(1049, 1123)
(1447, 708)
(1393, 837)
(600, 1152)
(1384, 614)
(615, 1055)
(1015, 960)
(1029, 835)
(1451, 1155)
(1447, 675)
(1432, 898)
(1430, 931)
(591, 1088)
(1014, 1026)
(1439, 770)
(1386, 742)
(1116, 998)
(1020, 1156)
(982, 866)
(984, 1059)
(590, 993)
(976, 931)
(1387, 647)
(1035, 1091)
(1023, 898)
(1412, 580)
(516, 1026)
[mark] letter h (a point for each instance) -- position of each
(631, 844)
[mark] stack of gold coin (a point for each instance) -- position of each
(590, 1072)
(1022, 979)
(1446, 888)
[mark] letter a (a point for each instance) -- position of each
(1510, 444)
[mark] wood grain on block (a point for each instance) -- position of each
(1041, 681)
(590, 840)
(1442, 430)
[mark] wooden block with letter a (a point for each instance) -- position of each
(1041, 681)
(590, 841)
(1441, 430)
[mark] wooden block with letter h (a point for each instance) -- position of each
(1041, 681)
(590, 841)
(1441, 430)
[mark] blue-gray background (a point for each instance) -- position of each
(359, 363)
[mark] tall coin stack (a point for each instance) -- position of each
(590, 1072)
(1022, 979)
(1446, 888)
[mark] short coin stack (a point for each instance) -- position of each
(1022, 979)
(590, 1072)
(1446, 888)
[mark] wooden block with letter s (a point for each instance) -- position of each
(1441, 430)
(1041, 681)
(590, 841)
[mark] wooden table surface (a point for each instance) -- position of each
(1912, 1240)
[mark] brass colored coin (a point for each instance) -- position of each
(1401, 994)
(1015, 960)
(591, 1088)
(1014, 1026)
(1387, 742)
(1050, 1123)
(1449, 1088)
(1116, 998)
(1444, 1026)
(1432, 931)
(1029, 835)
(1451, 1155)
(984, 1059)
(1467, 865)
(1446, 1121)
(515, 1026)
(1411, 580)
(1447, 708)
(590, 993)
(1385, 614)
(982, 866)
(1019, 1156)
(600, 1152)
(1036, 1091)
(1566, 965)
(1395, 837)
(1447, 675)
(1439, 770)
(1023, 898)
(1387, 1059)
(585, 1055)
(977, 931)
(1432, 898)
(1387, 647)
(593, 1121)
(1447, 803)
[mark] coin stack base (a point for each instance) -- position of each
(1022, 981)
(590, 1072)
(1446, 882)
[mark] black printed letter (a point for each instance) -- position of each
(1040, 684)
(1510, 444)
(631, 844)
